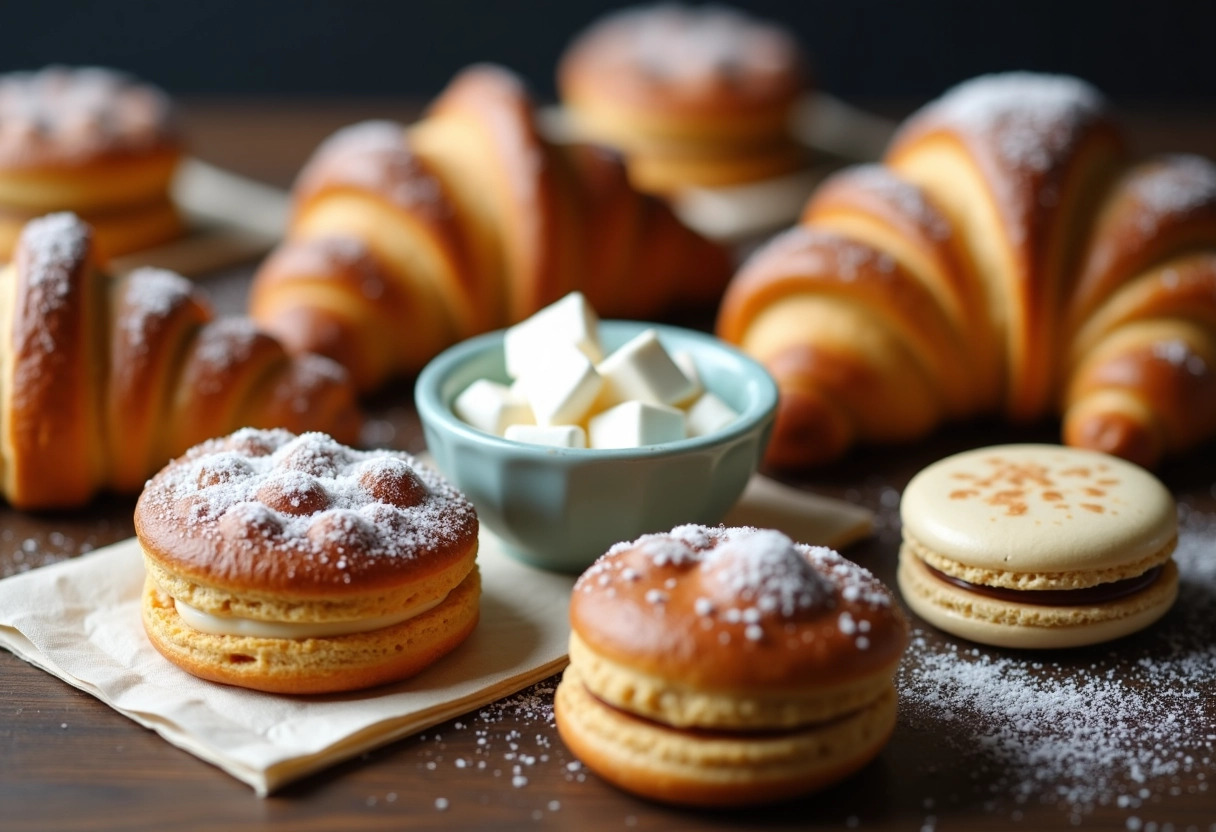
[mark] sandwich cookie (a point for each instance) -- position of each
(1037, 546)
(293, 564)
(728, 666)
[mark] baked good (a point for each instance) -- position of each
(104, 379)
(1037, 546)
(93, 141)
(404, 241)
(294, 564)
(1007, 258)
(728, 666)
(692, 95)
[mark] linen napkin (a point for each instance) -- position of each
(80, 620)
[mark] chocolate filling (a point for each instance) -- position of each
(1086, 596)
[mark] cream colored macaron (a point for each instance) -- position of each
(1037, 546)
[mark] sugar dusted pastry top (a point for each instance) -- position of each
(736, 607)
(1039, 508)
(62, 115)
(691, 56)
(302, 514)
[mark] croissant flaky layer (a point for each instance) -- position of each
(404, 241)
(1007, 257)
(105, 379)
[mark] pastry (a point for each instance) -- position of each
(404, 241)
(93, 141)
(293, 564)
(728, 666)
(692, 95)
(1008, 258)
(104, 379)
(1037, 546)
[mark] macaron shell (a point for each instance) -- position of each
(713, 768)
(1038, 508)
(1030, 626)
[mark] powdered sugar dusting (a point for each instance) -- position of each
(689, 45)
(1031, 119)
(747, 574)
(51, 248)
(1109, 728)
(309, 494)
(1177, 186)
(152, 295)
(907, 199)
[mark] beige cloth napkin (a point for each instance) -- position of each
(80, 620)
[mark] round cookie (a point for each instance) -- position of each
(693, 95)
(728, 666)
(1037, 546)
(293, 564)
(93, 141)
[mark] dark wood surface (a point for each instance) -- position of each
(1141, 727)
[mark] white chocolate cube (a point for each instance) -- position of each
(641, 370)
(634, 424)
(709, 414)
(490, 406)
(555, 436)
(562, 388)
(570, 320)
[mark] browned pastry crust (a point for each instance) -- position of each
(1068, 278)
(93, 141)
(692, 95)
(284, 530)
(728, 666)
(106, 378)
(405, 241)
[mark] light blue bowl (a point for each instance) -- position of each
(560, 508)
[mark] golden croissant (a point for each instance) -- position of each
(404, 241)
(1006, 258)
(105, 379)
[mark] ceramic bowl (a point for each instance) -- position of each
(560, 508)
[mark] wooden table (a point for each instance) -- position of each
(68, 762)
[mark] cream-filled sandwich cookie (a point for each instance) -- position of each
(728, 666)
(294, 564)
(1037, 546)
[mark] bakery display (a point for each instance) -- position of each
(404, 241)
(728, 666)
(294, 564)
(104, 378)
(692, 95)
(1037, 546)
(93, 141)
(1007, 258)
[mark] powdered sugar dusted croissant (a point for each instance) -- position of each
(103, 380)
(1006, 258)
(406, 240)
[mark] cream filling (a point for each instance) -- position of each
(224, 625)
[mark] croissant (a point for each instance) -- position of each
(105, 379)
(1007, 258)
(403, 241)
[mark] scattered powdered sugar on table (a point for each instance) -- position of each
(1121, 727)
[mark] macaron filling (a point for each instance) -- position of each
(223, 625)
(1083, 596)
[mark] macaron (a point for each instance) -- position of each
(294, 564)
(1037, 546)
(728, 666)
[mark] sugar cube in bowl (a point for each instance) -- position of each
(560, 508)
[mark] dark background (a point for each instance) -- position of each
(1152, 50)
